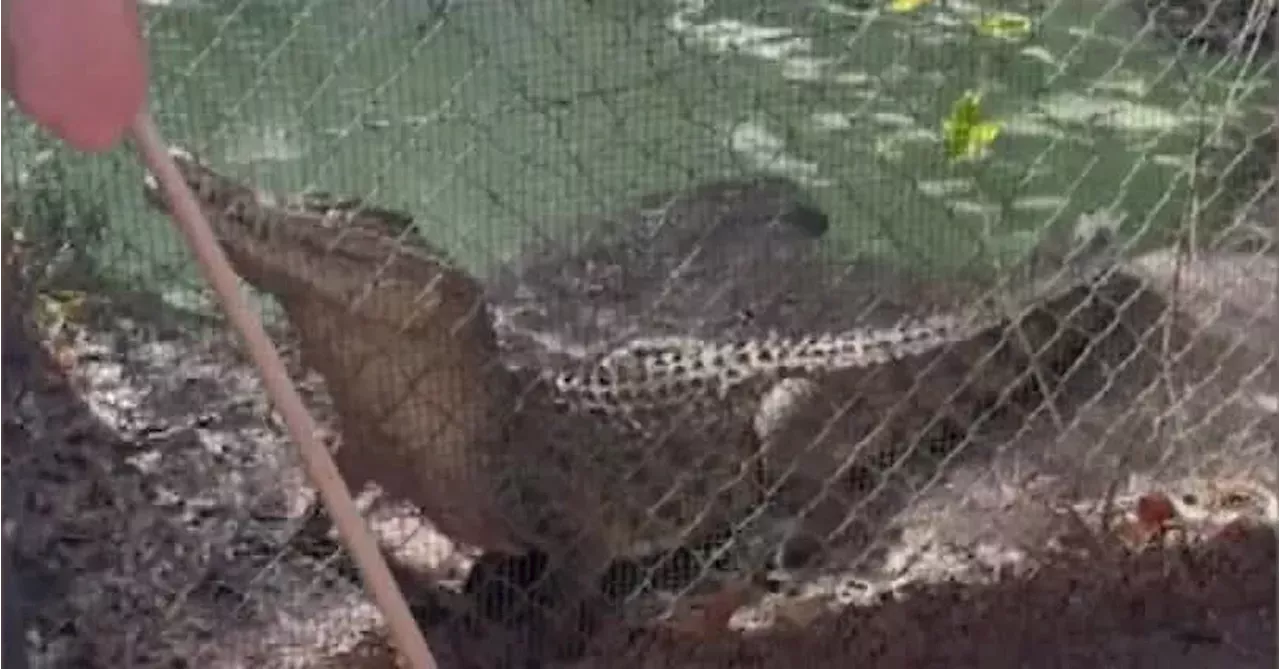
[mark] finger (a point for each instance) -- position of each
(78, 67)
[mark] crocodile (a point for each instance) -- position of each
(643, 447)
(429, 412)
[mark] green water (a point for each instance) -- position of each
(495, 116)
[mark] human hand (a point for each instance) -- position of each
(76, 67)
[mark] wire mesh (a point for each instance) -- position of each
(664, 334)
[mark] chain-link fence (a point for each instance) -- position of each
(665, 334)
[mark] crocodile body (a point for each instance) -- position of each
(645, 381)
(650, 444)
(828, 414)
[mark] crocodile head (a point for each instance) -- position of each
(337, 251)
(430, 412)
(398, 331)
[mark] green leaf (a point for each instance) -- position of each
(55, 309)
(1004, 25)
(966, 133)
(906, 6)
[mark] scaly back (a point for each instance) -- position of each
(663, 373)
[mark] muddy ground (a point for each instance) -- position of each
(156, 517)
